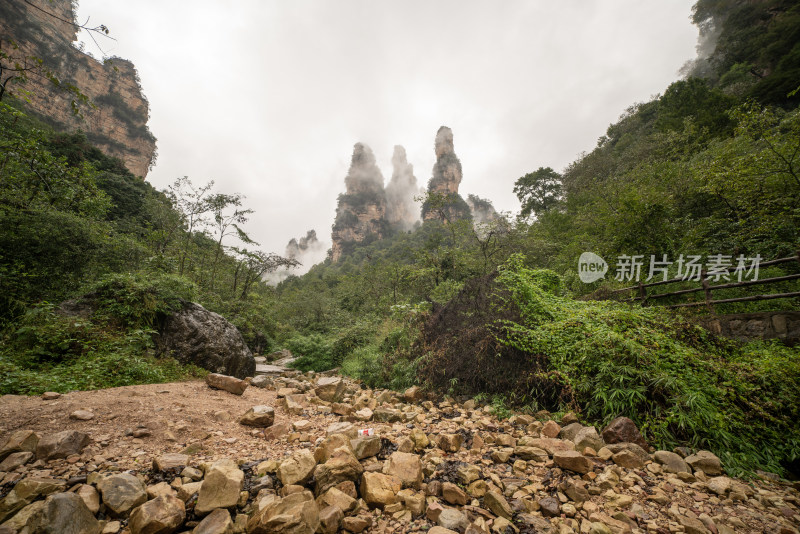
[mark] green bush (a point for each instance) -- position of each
(313, 351)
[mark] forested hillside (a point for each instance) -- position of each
(489, 309)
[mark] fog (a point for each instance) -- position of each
(267, 98)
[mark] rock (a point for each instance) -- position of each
(366, 447)
(453, 494)
(334, 441)
(671, 462)
(15, 460)
(639, 452)
(405, 466)
(294, 403)
(387, 415)
(25, 492)
(81, 415)
(122, 493)
(19, 441)
(64, 513)
(21, 518)
(588, 437)
(719, 485)
(171, 460)
(534, 454)
(220, 488)
(551, 429)
(295, 514)
(627, 459)
(450, 442)
(452, 519)
(217, 522)
(497, 504)
(260, 381)
(549, 507)
(569, 431)
(574, 490)
(705, 461)
(298, 468)
(364, 414)
(378, 489)
(623, 430)
(188, 490)
(90, 497)
(162, 515)
(412, 394)
(50, 395)
(61, 444)
(338, 498)
(468, 473)
(573, 461)
(692, 526)
(276, 431)
(548, 444)
(340, 467)
(258, 416)
(441, 530)
(157, 490)
(356, 524)
(330, 388)
(231, 384)
(329, 520)
(204, 338)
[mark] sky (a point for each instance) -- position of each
(267, 97)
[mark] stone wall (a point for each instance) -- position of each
(117, 124)
(783, 325)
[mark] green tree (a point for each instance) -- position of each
(539, 191)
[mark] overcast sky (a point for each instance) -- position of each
(267, 98)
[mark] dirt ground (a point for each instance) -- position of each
(175, 415)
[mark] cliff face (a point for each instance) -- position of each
(402, 211)
(444, 182)
(361, 213)
(118, 122)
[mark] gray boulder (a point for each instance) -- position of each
(204, 338)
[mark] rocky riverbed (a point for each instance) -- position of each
(288, 452)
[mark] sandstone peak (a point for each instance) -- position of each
(444, 142)
(401, 209)
(364, 174)
(445, 179)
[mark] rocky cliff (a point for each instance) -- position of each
(444, 202)
(402, 211)
(117, 121)
(361, 212)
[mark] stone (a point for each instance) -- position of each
(453, 494)
(405, 466)
(340, 467)
(188, 490)
(692, 526)
(412, 394)
(82, 415)
(719, 485)
(387, 415)
(231, 384)
(220, 488)
(217, 522)
(364, 414)
(276, 431)
(366, 447)
(534, 454)
(50, 395)
(122, 493)
(705, 461)
(356, 524)
(170, 461)
(258, 416)
(468, 473)
(298, 468)
(497, 504)
(90, 497)
(452, 519)
(548, 444)
(261, 381)
(627, 459)
(21, 518)
(61, 444)
(294, 514)
(551, 429)
(671, 462)
(15, 460)
(569, 431)
(63, 513)
(330, 388)
(162, 515)
(639, 452)
(338, 498)
(378, 489)
(623, 430)
(588, 437)
(325, 449)
(157, 490)
(441, 530)
(574, 490)
(19, 441)
(573, 461)
(329, 520)
(25, 492)
(450, 442)
(206, 339)
(549, 507)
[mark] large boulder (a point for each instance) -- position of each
(296, 514)
(61, 444)
(201, 337)
(220, 488)
(64, 513)
(623, 430)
